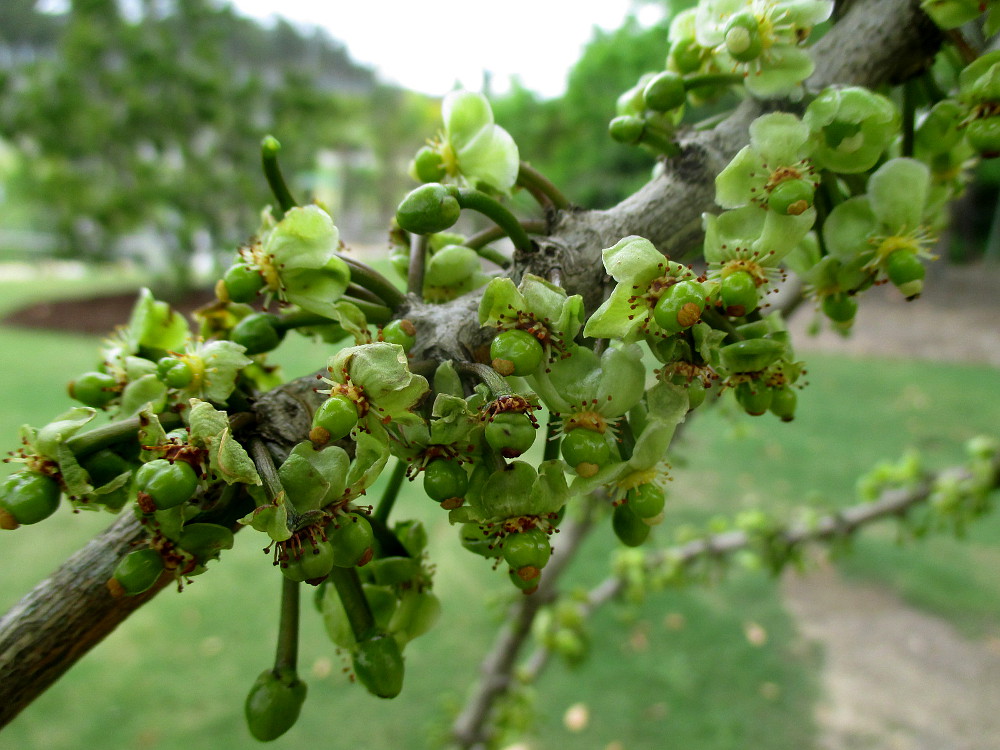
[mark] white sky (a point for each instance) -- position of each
(428, 45)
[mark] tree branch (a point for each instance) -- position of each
(66, 615)
(472, 728)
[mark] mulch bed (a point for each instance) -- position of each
(94, 315)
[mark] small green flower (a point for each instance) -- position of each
(871, 229)
(851, 127)
(297, 258)
(643, 276)
(473, 150)
(535, 306)
(761, 39)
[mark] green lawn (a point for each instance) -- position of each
(701, 668)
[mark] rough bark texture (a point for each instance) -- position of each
(66, 615)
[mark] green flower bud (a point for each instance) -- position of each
(451, 265)
(751, 355)
(627, 129)
(665, 92)
(428, 209)
(378, 664)
(96, 389)
(273, 704)
(174, 372)
(258, 333)
(686, 55)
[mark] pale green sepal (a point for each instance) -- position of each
(898, 193)
(271, 519)
(226, 457)
(633, 260)
(47, 440)
(219, 364)
(733, 183)
(370, 456)
(804, 256)
(380, 369)
(622, 380)
(786, 69)
(848, 227)
(154, 325)
(615, 318)
(780, 138)
(151, 434)
(147, 390)
(74, 477)
(781, 234)
(312, 478)
(453, 421)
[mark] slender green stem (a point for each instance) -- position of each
(303, 319)
(493, 256)
(364, 275)
(491, 208)
(530, 178)
(287, 653)
(269, 149)
(391, 492)
(418, 262)
(551, 451)
(116, 432)
(659, 139)
(712, 79)
(359, 292)
(352, 596)
(493, 380)
(909, 115)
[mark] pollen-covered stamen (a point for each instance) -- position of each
(586, 419)
(919, 241)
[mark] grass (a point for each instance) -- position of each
(713, 667)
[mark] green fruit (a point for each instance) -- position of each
(242, 282)
(27, 497)
(743, 39)
(783, 402)
(378, 664)
(755, 398)
(258, 333)
(584, 448)
(479, 540)
(138, 571)
(174, 372)
(628, 527)
(95, 389)
(427, 165)
(352, 539)
(984, 135)
(840, 308)
(738, 292)
(510, 434)
(445, 479)
(338, 415)
(428, 209)
(273, 704)
(665, 92)
(315, 562)
(516, 352)
(680, 306)
(646, 500)
(527, 549)
(905, 270)
(791, 197)
(166, 484)
(400, 332)
(751, 355)
(696, 393)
